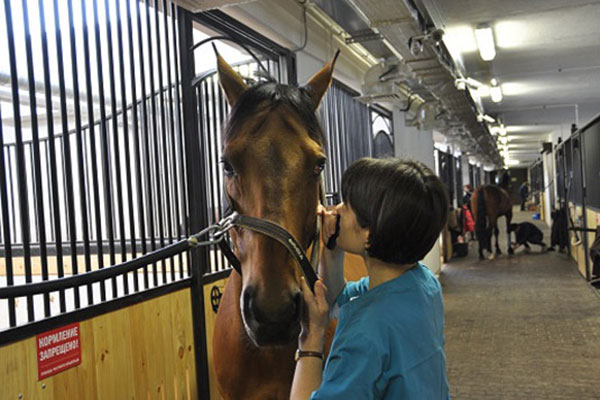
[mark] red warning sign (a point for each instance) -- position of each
(58, 350)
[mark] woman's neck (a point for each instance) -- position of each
(381, 272)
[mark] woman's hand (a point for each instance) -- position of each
(316, 317)
(329, 220)
(331, 265)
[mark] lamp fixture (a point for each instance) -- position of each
(495, 91)
(486, 118)
(464, 83)
(485, 42)
(502, 130)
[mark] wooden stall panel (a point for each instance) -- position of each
(212, 293)
(593, 220)
(145, 351)
(578, 252)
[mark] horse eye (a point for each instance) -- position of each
(227, 168)
(320, 167)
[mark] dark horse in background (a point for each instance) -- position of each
(273, 156)
(488, 203)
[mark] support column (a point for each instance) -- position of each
(410, 142)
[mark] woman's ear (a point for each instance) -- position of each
(365, 234)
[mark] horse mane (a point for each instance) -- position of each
(266, 96)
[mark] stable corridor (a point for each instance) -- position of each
(521, 327)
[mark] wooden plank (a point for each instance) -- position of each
(113, 340)
(79, 382)
(133, 353)
(210, 315)
(183, 346)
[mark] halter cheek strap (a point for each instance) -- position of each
(278, 233)
(273, 231)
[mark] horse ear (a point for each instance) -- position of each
(232, 83)
(319, 83)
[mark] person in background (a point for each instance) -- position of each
(468, 222)
(467, 196)
(527, 233)
(389, 341)
(524, 193)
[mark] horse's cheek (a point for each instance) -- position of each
(232, 188)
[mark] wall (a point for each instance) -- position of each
(282, 22)
(139, 352)
(409, 142)
(549, 190)
(517, 176)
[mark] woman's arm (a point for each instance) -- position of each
(307, 376)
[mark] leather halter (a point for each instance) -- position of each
(278, 233)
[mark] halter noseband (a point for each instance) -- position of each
(278, 233)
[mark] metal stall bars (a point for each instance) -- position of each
(94, 180)
(382, 131)
(536, 180)
(447, 171)
(590, 135)
(348, 131)
(76, 187)
(458, 179)
(212, 105)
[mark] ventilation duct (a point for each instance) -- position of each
(386, 83)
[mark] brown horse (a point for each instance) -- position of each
(488, 203)
(273, 156)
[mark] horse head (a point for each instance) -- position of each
(273, 156)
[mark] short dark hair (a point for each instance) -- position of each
(402, 202)
(513, 227)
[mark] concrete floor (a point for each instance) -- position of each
(521, 327)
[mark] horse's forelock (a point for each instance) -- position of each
(260, 99)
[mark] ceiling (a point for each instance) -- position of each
(426, 78)
(547, 63)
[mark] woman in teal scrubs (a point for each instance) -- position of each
(389, 341)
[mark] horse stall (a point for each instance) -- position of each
(98, 293)
(577, 172)
(104, 179)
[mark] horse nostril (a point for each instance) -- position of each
(247, 300)
(298, 303)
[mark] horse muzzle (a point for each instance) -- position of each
(271, 324)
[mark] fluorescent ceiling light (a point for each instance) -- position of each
(483, 91)
(496, 93)
(515, 88)
(485, 42)
(460, 39)
(512, 162)
(515, 34)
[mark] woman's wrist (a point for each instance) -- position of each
(312, 341)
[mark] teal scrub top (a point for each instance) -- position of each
(389, 341)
